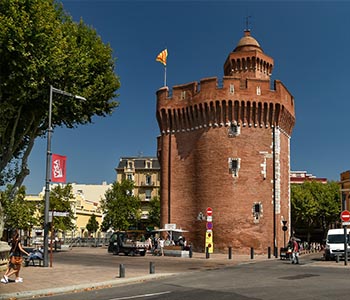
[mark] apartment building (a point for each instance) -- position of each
(145, 173)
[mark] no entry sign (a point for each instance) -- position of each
(209, 211)
(345, 216)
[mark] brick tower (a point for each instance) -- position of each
(226, 145)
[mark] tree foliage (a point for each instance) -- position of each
(19, 213)
(92, 225)
(120, 207)
(61, 198)
(315, 205)
(40, 45)
(154, 212)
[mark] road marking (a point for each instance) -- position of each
(140, 296)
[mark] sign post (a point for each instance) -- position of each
(345, 217)
(209, 233)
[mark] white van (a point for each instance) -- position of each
(335, 243)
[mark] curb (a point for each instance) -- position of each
(81, 287)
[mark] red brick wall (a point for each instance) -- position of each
(200, 178)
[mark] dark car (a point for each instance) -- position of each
(128, 242)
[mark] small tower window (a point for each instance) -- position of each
(232, 89)
(257, 211)
(258, 90)
(234, 165)
(233, 130)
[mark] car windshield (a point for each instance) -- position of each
(336, 239)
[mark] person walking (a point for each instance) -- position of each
(295, 253)
(161, 245)
(16, 259)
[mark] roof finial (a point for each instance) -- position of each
(247, 22)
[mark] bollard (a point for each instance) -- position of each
(207, 255)
(251, 253)
(337, 258)
(269, 252)
(229, 252)
(121, 271)
(151, 268)
(190, 253)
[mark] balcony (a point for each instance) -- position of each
(149, 183)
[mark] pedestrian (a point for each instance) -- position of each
(161, 245)
(16, 259)
(295, 253)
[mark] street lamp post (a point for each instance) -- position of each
(48, 171)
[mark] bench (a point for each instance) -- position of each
(36, 261)
(36, 257)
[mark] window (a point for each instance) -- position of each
(257, 211)
(258, 90)
(148, 179)
(148, 195)
(148, 164)
(233, 130)
(234, 165)
(232, 89)
(183, 95)
(129, 177)
(130, 165)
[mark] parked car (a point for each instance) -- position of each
(335, 244)
(128, 242)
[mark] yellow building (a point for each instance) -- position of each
(85, 202)
(145, 173)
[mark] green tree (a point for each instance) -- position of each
(154, 212)
(120, 207)
(314, 205)
(19, 213)
(61, 198)
(40, 45)
(330, 206)
(92, 225)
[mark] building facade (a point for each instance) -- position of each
(299, 177)
(145, 173)
(84, 203)
(226, 145)
(345, 190)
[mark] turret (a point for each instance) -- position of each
(248, 60)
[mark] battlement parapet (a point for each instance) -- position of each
(229, 88)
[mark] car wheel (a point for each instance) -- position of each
(116, 251)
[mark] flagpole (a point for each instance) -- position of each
(165, 75)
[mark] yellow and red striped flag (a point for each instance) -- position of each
(162, 56)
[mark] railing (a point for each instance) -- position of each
(143, 183)
(72, 242)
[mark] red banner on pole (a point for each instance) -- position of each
(58, 168)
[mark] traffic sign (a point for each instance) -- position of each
(345, 216)
(209, 242)
(209, 211)
(59, 213)
(209, 225)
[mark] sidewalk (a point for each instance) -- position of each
(89, 268)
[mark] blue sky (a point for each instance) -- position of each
(308, 40)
